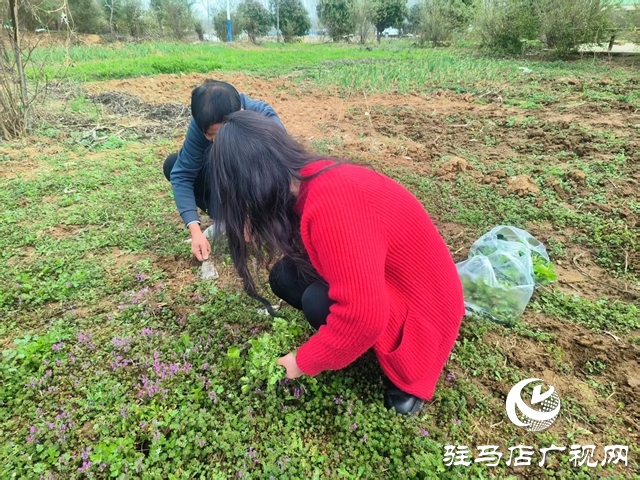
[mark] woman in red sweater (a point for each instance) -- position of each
(362, 258)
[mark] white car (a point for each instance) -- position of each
(391, 32)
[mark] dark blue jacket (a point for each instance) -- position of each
(192, 158)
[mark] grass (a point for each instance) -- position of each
(110, 372)
(117, 362)
(133, 60)
(391, 66)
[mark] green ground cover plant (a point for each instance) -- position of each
(118, 362)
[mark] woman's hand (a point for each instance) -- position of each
(289, 362)
(200, 246)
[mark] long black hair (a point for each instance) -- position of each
(212, 101)
(252, 163)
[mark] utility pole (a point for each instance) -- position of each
(208, 7)
(278, 21)
(229, 36)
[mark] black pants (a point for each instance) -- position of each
(201, 189)
(310, 297)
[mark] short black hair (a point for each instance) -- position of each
(212, 101)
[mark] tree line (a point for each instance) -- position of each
(504, 26)
(508, 26)
(161, 18)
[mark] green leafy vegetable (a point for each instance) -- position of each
(264, 352)
(505, 300)
(543, 270)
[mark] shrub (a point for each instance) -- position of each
(86, 16)
(132, 19)
(505, 26)
(337, 16)
(627, 23)
(179, 18)
(566, 24)
(199, 29)
(436, 21)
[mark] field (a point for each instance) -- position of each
(118, 362)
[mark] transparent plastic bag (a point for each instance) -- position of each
(498, 277)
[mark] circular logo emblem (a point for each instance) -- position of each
(533, 419)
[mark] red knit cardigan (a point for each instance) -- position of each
(389, 271)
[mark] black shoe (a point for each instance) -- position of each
(403, 402)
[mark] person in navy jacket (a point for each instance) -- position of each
(211, 102)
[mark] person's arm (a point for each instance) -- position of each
(191, 159)
(349, 242)
(264, 109)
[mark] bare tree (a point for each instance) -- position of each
(109, 4)
(362, 13)
(16, 109)
(17, 96)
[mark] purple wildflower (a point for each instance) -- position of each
(85, 454)
(57, 347)
(32, 436)
(149, 388)
(121, 342)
